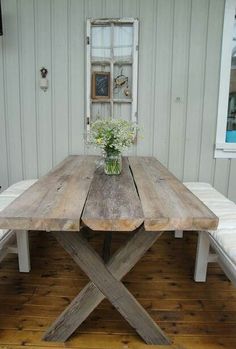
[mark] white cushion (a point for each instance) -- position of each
(5, 201)
(226, 238)
(217, 203)
(9, 195)
(197, 185)
(19, 187)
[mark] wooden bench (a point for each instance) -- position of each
(8, 237)
(221, 241)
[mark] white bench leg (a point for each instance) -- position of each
(23, 251)
(179, 234)
(203, 249)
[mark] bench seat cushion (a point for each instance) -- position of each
(18, 188)
(8, 195)
(226, 238)
(222, 207)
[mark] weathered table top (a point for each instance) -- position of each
(76, 193)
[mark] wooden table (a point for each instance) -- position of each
(146, 199)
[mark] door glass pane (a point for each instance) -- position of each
(231, 117)
(101, 41)
(123, 41)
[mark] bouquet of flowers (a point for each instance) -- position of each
(112, 136)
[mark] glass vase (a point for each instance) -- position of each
(112, 164)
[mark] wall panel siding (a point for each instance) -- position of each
(76, 93)
(196, 74)
(213, 54)
(60, 79)
(27, 88)
(43, 99)
(12, 90)
(232, 186)
(179, 94)
(221, 175)
(179, 60)
(147, 33)
(3, 137)
(163, 78)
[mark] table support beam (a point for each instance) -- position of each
(106, 251)
(105, 283)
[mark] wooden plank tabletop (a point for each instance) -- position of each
(55, 201)
(167, 203)
(76, 193)
(113, 203)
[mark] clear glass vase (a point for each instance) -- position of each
(112, 164)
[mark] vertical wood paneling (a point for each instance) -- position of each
(43, 99)
(60, 79)
(179, 59)
(3, 140)
(12, 91)
(196, 75)
(163, 61)
(93, 9)
(208, 132)
(221, 175)
(130, 8)
(232, 179)
(113, 8)
(77, 76)
(179, 86)
(146, 76)
(27, 88)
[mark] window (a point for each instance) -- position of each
(226, 123)
(112, 69)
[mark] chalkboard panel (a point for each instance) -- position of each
(101, 85)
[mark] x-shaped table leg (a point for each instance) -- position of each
(105, 283)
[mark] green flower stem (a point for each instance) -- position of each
(112, 165)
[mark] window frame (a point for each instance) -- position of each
(224, 149)
(102, 21)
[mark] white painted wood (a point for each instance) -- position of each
(23, 251)
(94, 108)
(11, 89)
(221, 175)
(88, 79)
(179, 234)
(134, 116)
(9, 236)
(27, 93)
(196, 73)
(224, 261)
(76, 37)
(5, 238)
(146, 76)
(60, 80)
(163, 61)
(179, 88)
(43, 99)
(3, 136)
(226, 52)
(112, 8)
(231, 182)
(203, 247)
(211, 89)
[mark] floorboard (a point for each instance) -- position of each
(195, 316)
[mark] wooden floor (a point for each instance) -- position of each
(193, 315)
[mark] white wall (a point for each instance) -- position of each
(179, 63)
